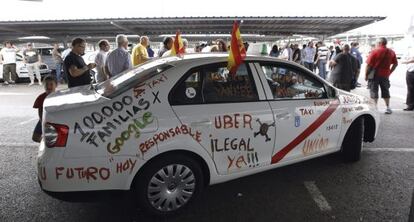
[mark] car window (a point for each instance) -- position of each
(45, 51)
(127, 79)
(288, 83)
(214, 84)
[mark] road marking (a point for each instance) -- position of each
(411, 215)
(28, 121)
(317, 196)
(13, 94)
(388, 149)
(19, 144)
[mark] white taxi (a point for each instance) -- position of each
(171, 126)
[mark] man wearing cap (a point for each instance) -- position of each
(32, 59)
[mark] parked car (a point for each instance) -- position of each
(21, 70)
(169, 127)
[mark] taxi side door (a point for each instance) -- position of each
(231, 114)
(306, 114)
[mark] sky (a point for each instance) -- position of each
(398, 13)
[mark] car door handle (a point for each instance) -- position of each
(201, 123)
(283, 116)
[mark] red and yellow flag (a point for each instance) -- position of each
(178, 46)
(237, 51)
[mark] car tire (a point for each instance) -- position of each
(159, 199)
(353, 141)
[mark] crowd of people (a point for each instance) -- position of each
(343, 64)
(339, 64)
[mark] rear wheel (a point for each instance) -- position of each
(169, 184)
(353, 141)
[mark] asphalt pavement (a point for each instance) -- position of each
(377, 188)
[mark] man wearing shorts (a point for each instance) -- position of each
(379, 62)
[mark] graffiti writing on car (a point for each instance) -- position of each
(359, 108)
(133, 129)
(239, 160)
(351, 100)
(346, 121)
(232, 121)
(230, 144)
(162, 78)
(126, 166)
(264, 127)
(99, 125)
(347, 109)
(88, 173)
(238, 89)
(311, 146)
(169, 134)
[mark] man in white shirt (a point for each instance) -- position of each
(286, 53)
(409, 61)
(309, 56)
(32, 59)
(322, 59)
(8, 59)
(100, 60)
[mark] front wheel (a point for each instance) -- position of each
(352, 144)
(169, 184)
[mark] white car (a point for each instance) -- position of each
(170, 126)
(21, 69)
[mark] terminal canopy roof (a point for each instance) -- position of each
(255, 28)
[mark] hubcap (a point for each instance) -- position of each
(171, 187)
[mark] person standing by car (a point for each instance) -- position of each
(355, 52)
(119, 59)
(274, 52)
(309, 53)
(378, 71)
(167, 45)
(76, 68)
(409, 61)
(100, 60)
(344, 69)
(296, 54)
(32, 58)
(50, 86)
(321, 59)
(57, 58)
(8, 59)
(139, 52)
(286, 53)
(150, 51)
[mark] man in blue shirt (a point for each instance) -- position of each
(118, 60)
(355, 53)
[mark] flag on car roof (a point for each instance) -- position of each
(178, 46)
(237, 51)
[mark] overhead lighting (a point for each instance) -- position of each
(33, 38)
(31, 0)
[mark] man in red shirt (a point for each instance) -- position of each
(379, 62)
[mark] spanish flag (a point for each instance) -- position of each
(237, 51)
(178, 46)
